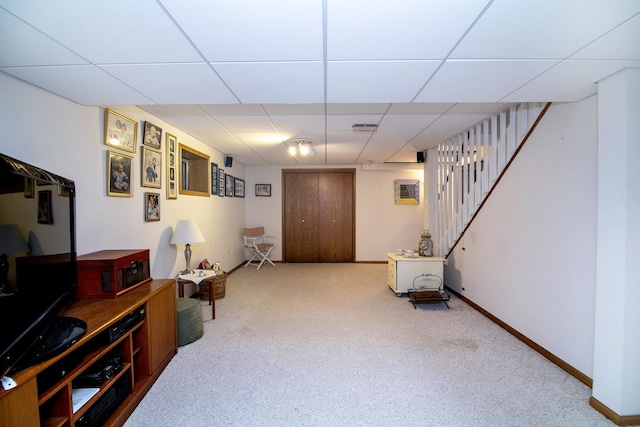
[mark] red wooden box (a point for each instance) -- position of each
(110, 273)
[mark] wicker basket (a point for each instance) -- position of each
(219, 287)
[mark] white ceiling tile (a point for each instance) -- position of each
(115, 31)
(366, 30)
(174, 83)
(294, 110)
(621, 43)
(229, 30)
(84, 84)
(246, 123)
(360, 108)
(480, 81)
(420, 108)
(233, 109)
(293, 125)
(377, 82)
(344, 123)
(274, 82)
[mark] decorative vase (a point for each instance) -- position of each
(425, 246)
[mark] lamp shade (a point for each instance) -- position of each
(186, 232)
(11, 240)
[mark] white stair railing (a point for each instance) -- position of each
(471, 163)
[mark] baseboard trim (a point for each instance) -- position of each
(621, 420)
(546, 353)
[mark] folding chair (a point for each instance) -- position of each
(259, 244)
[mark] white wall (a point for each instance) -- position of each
(529, 256)
(381, 225)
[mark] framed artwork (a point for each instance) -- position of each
(151, 207)
(229, 185)
(119, 131)
(29, 187)
(407, 191)
(152, 135)
(238, 188)
(151, 168)
(172, 143)
(119, 174)
(221, 187)
(45, 216)
(214, 179)
(263, 190)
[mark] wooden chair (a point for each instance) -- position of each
(259, 244)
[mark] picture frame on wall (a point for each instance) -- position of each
(263, 190)
(151, 175)
(214, 179)
(119, 174)
(152, 135)
(120, 131)
(45, 216)
(229, 185)
(221, 186)
(172, 188)
(406, 191)
(151, 207)
(238, 188)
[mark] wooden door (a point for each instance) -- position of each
(335, 239)
(301, 217)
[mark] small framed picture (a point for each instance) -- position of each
(229, 185)
(152, 135)
(214, 179)
(151, 207)
(238, 188)
(221, 187)
(45, 216)
(172, 143)
(151, 168)
(119, 131)
(263, 190)
(119, 175)
(29, 187)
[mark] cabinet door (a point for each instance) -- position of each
(335, 198)
(301, 217)
(162, 318)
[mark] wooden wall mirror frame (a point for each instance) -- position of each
(194, 172)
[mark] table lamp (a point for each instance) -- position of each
(186, 232)
(11, 242)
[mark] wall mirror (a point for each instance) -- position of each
(194, 172)
(407, 191)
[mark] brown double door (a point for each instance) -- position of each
(318, 215)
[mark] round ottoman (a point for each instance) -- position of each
(190, 327)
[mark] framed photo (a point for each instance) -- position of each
(119, 174)
(229, 185)
(406, 191)
(120, 131)
(151, 168)
(238, 188)
(29, 188)
(221, 187)
(151, 207)
(152, 135)
(45, 216)
(214, 179)
(263, 190)
(172, 188)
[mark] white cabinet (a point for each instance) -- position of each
(403, 270)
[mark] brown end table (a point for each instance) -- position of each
(209, 278)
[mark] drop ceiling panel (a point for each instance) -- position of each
(294, 110)
(344, 122)
(34, 48)
(621, 43)
(84, 84)
(366, 30)
(215, 110)
(377, 82)
(480, 81)
(174, 83)
(361, 108)
(299, 126)
(229, 30)
(115, 31)
(405, 126)
(275, 82)
(246, 123)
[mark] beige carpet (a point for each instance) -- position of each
(331, 345)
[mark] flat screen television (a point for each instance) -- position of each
(38, 271)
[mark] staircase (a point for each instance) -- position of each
(471, 164)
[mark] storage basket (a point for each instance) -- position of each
(219, 287)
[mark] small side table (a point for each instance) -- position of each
(195, 278)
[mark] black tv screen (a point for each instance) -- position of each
(38, 272)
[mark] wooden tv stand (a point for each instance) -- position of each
(43, 395)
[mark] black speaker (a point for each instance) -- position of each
(228, 161)
(420, 157)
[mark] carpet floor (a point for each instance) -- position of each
(331, 345)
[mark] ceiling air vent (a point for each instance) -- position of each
(365, 127)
